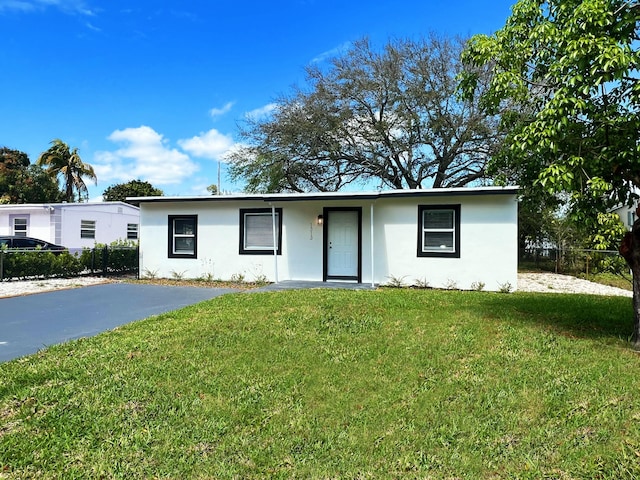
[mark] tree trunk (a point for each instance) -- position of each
(635, 336)
(630, 250)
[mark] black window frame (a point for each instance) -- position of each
(131, 231)
(456, 231)
(242, 250)
(170, 249)
(88, 229)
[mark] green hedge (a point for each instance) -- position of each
(38, 263)
(110, 259)
(119, 257)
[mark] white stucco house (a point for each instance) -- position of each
(446, 238)
(73, 225)
(627, 213)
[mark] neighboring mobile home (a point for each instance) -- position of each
(446, 238)
(73, 225)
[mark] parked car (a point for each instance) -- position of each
(28, 243)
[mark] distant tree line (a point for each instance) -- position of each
(58, 175)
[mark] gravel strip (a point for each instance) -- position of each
(555, 283)
(26, 287)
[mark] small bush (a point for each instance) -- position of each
(237, 278)
(421, 283)
(395, 282)
(451, 285)
(177, 275)
(150, 274)
(261, 279)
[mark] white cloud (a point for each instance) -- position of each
(212, 145)
(144, 155)
(67, 6)
(261, 112)
(216, 112)
(340, 49)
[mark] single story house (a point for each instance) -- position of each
(73, 225)
(627, 214)
(444, 238)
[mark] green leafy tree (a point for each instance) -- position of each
(60, 161)
(133, 188)
(575, 64)
(22, 182)
(391, 118)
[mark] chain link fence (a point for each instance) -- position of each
(573, 261)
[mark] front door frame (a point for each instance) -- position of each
(326, 214)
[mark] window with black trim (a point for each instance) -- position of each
(87, 229)
(183, 236)
(132, 231)
(439, 231)
(256, 231)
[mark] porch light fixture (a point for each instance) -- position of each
(320, 220)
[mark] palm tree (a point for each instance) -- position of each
(61, 161)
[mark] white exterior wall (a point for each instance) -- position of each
(488, 241)
(627, 215)
(59, 223)
(111, 223)
(38, 220)
(218, 242)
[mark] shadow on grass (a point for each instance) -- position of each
(584, 316)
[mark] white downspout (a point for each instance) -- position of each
(372, 251)
(275, 242)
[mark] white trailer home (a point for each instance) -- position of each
(73, 225)
(446, 238)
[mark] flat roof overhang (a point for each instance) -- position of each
(301, 197)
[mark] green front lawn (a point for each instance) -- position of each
(394, 383)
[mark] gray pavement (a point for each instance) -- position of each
(32, 322)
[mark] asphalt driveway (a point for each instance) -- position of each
(32, 322)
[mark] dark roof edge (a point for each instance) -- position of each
(301, 197)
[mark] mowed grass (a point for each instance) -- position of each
(393, 383)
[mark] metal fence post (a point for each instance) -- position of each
(105, 260)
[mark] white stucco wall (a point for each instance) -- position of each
(488, 244)
(627, 215)
(60, 222)
(488, 241)
(38, 220)
(111, 223)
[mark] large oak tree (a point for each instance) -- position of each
(389, 119)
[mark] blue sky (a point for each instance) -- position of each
(156, 89)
